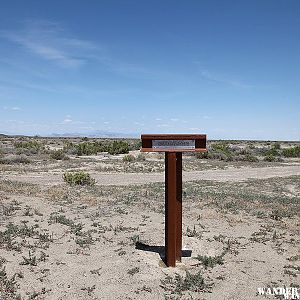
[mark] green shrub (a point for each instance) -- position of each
(141, 157)
(58, 154)
(272, 152)
(179, 284)
(128, 158)
(270, 158)
(92, 148)
(135, 145)
(88, 148)
(16, 159)
(118, 147)
(78, 178)
(222, 147)
(33, 146)
(68, 146)
(250, 158)
(277, 146)
(210, 261)
(220, 151)
(201, 155)
(291, 152)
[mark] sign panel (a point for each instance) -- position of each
(173, 144)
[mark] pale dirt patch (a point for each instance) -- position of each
(102, 269)
(54, 178)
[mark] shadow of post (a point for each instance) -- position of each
(159, 249)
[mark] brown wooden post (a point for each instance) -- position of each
(173, 145)
(178, 205)
(173, 206)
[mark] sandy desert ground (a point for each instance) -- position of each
(241, 209)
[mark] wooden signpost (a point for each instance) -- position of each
(173, 145)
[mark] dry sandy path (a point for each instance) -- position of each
(49, 179)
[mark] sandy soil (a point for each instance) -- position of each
(52, 178)
(257, 252)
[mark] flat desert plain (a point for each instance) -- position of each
(83, 218)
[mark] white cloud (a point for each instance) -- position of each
(220, 78)
(163, 125)
(195, 129)
(138, 123)
(67, 120)
(13, 108)
(48, 41)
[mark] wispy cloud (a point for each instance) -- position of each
(163, 125)
(67, 120)
(13, 108)
(50, 41)
(224, 79)
(195, 129)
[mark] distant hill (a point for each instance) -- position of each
(91, 134)
(96, 134)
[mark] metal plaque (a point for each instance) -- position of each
(173, 144)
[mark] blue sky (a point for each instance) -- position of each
(229, 69)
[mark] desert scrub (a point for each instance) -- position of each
(141, 157)
(9, 209)
(135, 145)
(8, 286)
(273, 152)
(128, 158)
(118, 147)
(219, 151)
(193, 233)
(20, 188)
(88, 148)
(31, 260)
(78, 178)
(58, 155)
(250, 158)
(271, 158)
(291, 152)
(133, 271)
(10, 236)
(62, 219)
(92, 148)
(179, 284)
(15, 159)
(32, 146)
(276, 151)
(210, 261)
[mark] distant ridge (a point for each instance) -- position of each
(90, 134)
(96, 134)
